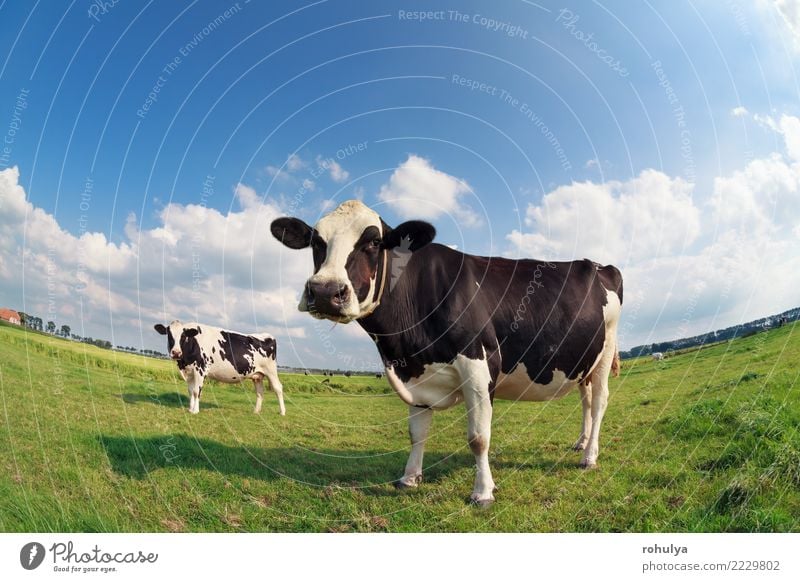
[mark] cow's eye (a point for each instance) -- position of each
(376, 243)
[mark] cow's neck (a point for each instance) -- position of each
(396, 315)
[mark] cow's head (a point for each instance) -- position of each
(349, 246)
(178, 337)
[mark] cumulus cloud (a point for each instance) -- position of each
(689, 266)
(418, 190)
(739, 111)
(293, 164)
(337, 173)
(647, 216)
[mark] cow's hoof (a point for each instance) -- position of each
(194, 411)
(481, 503)
(587, 465)
(412, 483)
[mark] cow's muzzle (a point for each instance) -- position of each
(328, 298)
(175, 355)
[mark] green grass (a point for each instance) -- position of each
(93, 440)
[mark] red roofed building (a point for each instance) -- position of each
(10, 316)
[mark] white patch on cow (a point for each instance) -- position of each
(438, 387)
(518, 386)
(340, 230)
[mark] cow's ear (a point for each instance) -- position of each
(191, 331)
(292, 232)
(160, 329)
(410, 236)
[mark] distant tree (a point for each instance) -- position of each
(65, 329)
(51, 327)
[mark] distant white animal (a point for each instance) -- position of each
(658, 356)
(203, 351)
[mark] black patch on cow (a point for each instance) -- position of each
(233, 347)
(190, 353)
(292, 232)
(319, 250)
(546, 315)
(362, 262)
(417, 232)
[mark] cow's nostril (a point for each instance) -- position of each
(341, 294)
(309, 293)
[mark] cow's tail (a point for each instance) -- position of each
(615, 363)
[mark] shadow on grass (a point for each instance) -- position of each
(138, 457)
(170, 399)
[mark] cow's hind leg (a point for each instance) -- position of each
(477, 383)
(585, 388)
(419, 423)
(599, 396)
(258, 383)
(277, 388)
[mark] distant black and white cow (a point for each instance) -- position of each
(658, 356)
(203, 351)
(452, 327)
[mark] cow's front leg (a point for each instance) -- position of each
(195, 387)
(419, 423)
(479, 432)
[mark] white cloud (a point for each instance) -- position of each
(650, 215)
(689, 267)
(739, 111)
(418, 190)
(790, 11)
(295, 162)
(337, 173)
(247, 196)
(767, 122)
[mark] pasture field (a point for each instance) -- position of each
(99, 441)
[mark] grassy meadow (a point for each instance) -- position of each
(94, 440)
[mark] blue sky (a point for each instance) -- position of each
(658, 139)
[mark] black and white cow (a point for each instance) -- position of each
(452, 327)
(203, 351)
